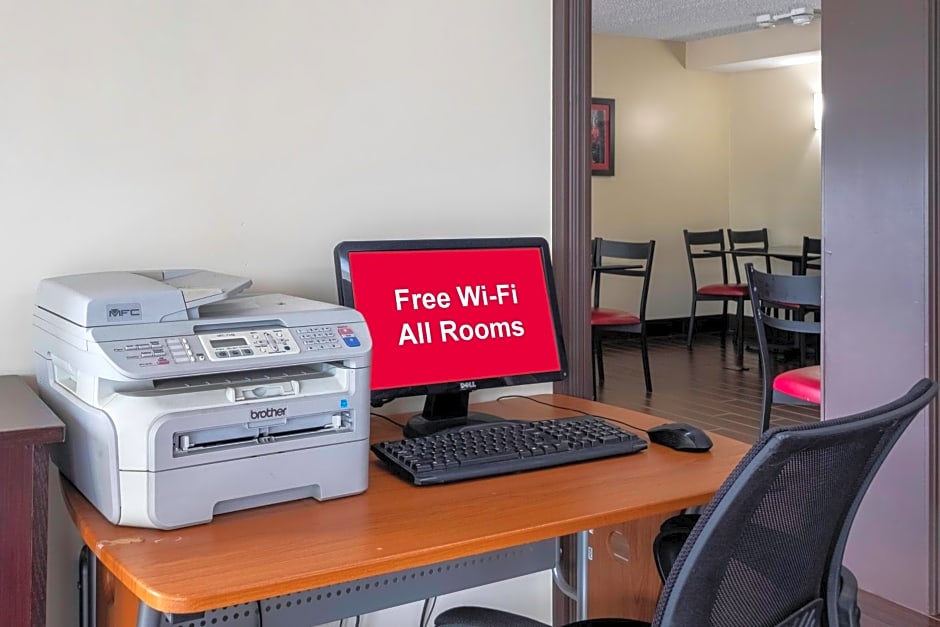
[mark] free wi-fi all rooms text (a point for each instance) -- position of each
(465, 296)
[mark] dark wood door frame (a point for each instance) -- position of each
(571, 216)
(571, 185)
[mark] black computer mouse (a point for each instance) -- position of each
(681, 437)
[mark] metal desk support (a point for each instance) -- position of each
(578, 593)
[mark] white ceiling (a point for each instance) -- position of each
(683, 20)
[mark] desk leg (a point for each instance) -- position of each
(147, 616)
(579, 592)
(581, 600)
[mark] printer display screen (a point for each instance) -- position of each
(229, 342)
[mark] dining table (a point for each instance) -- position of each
(791, 253)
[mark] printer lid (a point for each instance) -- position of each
(113, 298)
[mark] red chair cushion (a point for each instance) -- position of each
(612, 317)
(802, 383)
(732, 290)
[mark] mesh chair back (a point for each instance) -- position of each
(771, 541)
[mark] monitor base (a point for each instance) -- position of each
(418, 426)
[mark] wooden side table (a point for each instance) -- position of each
(27, 425)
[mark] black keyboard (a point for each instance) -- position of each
(498, 448)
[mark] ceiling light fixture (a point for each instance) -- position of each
(800, 16)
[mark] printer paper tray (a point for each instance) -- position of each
(236, 436)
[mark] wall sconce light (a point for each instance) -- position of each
(817, 110)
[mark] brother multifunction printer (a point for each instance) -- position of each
(183, 399)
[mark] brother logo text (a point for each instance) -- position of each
(270, 412)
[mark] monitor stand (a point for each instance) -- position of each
(445, 411)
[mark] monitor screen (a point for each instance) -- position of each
(450, 316)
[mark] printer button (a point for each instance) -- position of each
(351, 341)
(221, 353)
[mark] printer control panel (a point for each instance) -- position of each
(260, 344)
(249, 344)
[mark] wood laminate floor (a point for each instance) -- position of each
(697, 387)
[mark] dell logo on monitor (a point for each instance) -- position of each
(468, 385)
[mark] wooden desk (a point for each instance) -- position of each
(26, 427)
(281, 549)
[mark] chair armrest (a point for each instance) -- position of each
(849, 613)
(668, 542)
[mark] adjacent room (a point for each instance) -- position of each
(714, 126)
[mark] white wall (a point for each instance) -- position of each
(671, 164)
(701, 150)
(775, 173)
(251, 136)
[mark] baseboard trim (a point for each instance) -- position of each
(876, 608)
(705, 324)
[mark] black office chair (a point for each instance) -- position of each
(615, 258)
(756, 240)
(812, 254)
(767, 550)
(709, 245)
(801, 295)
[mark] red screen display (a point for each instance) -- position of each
(443, 316)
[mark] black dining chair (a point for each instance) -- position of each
(772, 294)
(620, 259)
(767, 549)
(812, 254)
(741, 241)
(710, 245)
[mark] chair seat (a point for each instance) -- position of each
(612, 317)
(802, 383)
(731, 290)
(471, 616)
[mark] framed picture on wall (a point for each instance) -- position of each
(602, 136)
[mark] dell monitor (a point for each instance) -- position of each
(451, 316)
